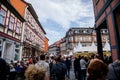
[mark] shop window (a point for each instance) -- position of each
(17, 50)
(11, 23)
(2, 16)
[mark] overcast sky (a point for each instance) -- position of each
(57, 16)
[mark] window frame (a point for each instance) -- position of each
(81, 38)
(18, 26)
(4, 15)
(89, 38)
(12, 28)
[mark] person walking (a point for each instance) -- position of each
(59, 70)
(44, 65)
(68, 65)
(83, 65)
(77, 68)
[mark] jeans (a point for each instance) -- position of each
(83, 74)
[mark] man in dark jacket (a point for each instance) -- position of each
(68, 65)
(59, 70)
(77, 68)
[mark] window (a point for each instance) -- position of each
(81, 39)
(29, 36)
(76, 38)
(84, 38)
(11, 23)
(72, 39)
(27, 15)
(90, 39)
(76, 31)
(17, 50)
(18, 28)
(95, 38)
(2, 16)
(32, 37)
(69, 38)
(80, 31)
(84, 31)
(70, 33)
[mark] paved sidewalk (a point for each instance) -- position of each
(72, 76)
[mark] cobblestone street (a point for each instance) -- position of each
(72, 76)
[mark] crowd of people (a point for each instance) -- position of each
(58, 68)
(13, 70)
